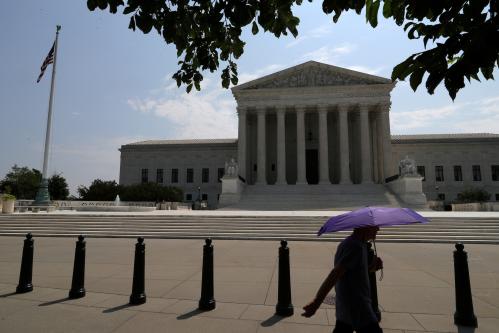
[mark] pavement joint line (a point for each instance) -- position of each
(276, 267)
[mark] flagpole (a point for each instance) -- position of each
(43, 196)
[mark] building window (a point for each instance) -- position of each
(204, 197)
(441, 196)
(477, 174)
(145, 176)
(495, 172)
(218, 197)
(174, 175)
(254, 167)
(273, 167)
(421, 172)
(497, 196)
(221, 173)
(458, 173)
(159, 176)
(190, 175)
(188, 197)
(206, 175)
(439, 173)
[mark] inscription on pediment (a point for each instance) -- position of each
(312, 77)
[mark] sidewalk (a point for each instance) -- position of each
(415, 295)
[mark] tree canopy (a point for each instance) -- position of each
(23, 182)
(108, 190)
(464, 34)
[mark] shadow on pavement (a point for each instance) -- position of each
(54, 301)
(189, 314)
(117, 308)
(8, 294)
(274, 319)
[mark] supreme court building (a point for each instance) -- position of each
(315, 135)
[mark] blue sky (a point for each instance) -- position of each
(114, 86)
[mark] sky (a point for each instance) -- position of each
(114, 86)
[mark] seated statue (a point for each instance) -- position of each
(407, 168)
(231, 168)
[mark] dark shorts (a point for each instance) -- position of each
(341, 327)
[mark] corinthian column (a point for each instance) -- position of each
(386, 141)
(323, 147)
(261, 176)
(344, 147)
(241, 142)
(300, 146)
(365, 147)
(281, 146)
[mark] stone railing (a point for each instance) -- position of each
(476, 207)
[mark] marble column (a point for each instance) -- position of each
(281, 146)
(241, 142)
(300, 146)
(261, 175)
(344, 147)
(387, 142)
(323, 147)
(365, 146)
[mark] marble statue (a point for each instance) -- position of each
(231, 168)
(407, 168)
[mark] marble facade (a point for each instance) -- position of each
(314, 124)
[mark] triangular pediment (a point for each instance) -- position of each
(312, 74)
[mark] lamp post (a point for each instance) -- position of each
(199, 194)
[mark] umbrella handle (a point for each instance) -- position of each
(376, 254)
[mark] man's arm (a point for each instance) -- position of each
(333, 277)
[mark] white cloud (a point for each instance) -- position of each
(209, 113)
(410, 120)
(246, 77)
(328, 54)
(318, 32)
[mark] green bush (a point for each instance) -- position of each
(7, 197)
(473, 195)
(101, 190)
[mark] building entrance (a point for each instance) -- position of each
(312, 165)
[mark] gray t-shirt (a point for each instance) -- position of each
(353, 293)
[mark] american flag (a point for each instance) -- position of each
(48, 60)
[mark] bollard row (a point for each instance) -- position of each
(284, 307)
(207, 301)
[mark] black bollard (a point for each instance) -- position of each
(78, 282)
(372, 282)
(138, 295)
(464, 314)
(284, 306)
(25, 285)
(207, 301)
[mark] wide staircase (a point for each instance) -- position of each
(303, 228)
(314, 197)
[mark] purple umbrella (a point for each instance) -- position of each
(371, 216)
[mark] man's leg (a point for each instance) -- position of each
(342, 327)
(372, 328)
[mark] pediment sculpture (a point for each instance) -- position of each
(313, 77)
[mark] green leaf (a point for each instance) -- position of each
(416, 78)
(189, 88)
(254, 28)
(387, 9)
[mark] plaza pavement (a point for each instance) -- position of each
(415, 295)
